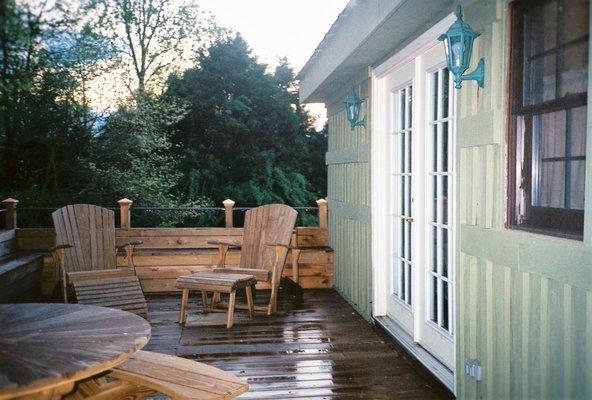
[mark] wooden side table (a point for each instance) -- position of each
(216, 283)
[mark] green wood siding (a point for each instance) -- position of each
(524, 301)
(349, 207)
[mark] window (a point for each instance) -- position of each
(547, 141)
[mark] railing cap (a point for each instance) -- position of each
(125, 202)
(321, 201)
(10, 201)
(228, 203)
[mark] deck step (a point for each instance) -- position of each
(20, 277)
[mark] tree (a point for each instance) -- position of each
(245, 137)
(155, 36)
(40, 115)
(133, 154)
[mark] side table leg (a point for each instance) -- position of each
(204, 301)
(250, 301)
(183, 311)
(231, 302)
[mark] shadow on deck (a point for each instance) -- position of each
(318, 348)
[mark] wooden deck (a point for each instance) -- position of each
(317, 348)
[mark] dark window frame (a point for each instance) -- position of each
(546, 220)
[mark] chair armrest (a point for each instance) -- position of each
(285, 246)
(226, 242)
(60, 247)
(132, 243)
(129, 252)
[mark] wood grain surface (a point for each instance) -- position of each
(43, 346)
(317, 347)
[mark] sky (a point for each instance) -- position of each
(276, 28)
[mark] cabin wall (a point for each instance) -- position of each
(524, 301)
(348, 165)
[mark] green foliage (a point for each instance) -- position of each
(224, 128)
(40, 118)
(245, 137)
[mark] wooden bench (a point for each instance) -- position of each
(216, 283)
(146, 373)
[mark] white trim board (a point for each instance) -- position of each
(379, 158)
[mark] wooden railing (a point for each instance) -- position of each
(167, 253)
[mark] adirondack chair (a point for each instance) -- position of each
(264, 248)
(86, 251)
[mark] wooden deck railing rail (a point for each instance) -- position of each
(166, 252)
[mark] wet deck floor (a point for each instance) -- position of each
(316, 348)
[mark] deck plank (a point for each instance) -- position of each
(318, 348)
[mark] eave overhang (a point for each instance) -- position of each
(365, 33)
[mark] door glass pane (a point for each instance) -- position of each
(444, 200)
(434, 296)
(435, 96)
(440, 170)
(445, 305)
(403, 192)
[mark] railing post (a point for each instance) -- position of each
(322, 204)
(124, 213)
(10, 213)
(228, 206)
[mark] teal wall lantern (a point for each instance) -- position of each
(352, 108)
(458, 42)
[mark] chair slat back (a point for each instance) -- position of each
(91, 231)
(271, 223)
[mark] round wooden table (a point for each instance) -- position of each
(46, 348)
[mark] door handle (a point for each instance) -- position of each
(408, 219)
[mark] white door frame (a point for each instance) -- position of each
(380, 152)
(379, 158)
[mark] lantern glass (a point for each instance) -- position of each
(468, 50)
(352, 112)
(456, 55)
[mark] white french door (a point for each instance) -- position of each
(401, 183)
(417, 109)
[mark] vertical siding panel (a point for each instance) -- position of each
(545, 345)
(463, 186)
(482, 201)
(476, 184)
(472, 311)
(526, 300)
(460, 318)
(567, 339)
(490, 181)
(588, 346)
(490, 328)
(507, 334)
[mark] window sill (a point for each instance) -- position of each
(547, 232)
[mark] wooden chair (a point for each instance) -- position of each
(264, 248)
(86, 254)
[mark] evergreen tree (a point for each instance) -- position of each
(246, 135)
